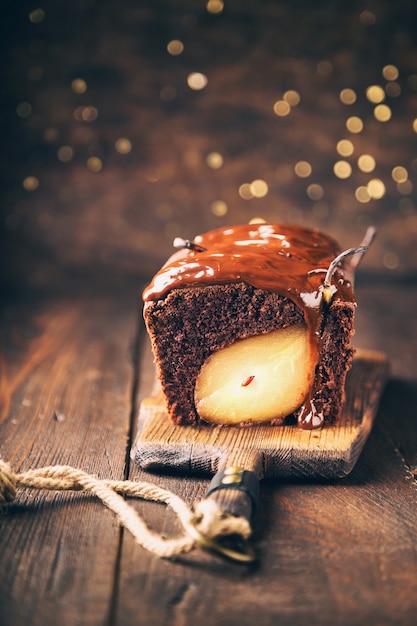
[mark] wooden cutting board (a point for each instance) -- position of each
(268, 451)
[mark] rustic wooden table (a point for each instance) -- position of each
(112, 147)
(73, 372)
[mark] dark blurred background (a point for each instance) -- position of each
(125, 124)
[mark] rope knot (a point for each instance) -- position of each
(7, 483)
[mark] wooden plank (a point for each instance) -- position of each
(65, 394)
(271, 451)
(330, 552)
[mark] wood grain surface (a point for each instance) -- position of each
(269, 451)
(330, 552)
(64, 402)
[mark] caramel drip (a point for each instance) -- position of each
(289, 260)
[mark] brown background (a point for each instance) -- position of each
(77, 250)
(122, 219)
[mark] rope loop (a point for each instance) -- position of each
(7, 483)
(202, 527)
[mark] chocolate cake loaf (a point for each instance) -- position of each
(253, 324)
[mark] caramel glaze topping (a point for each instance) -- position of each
(289, 260)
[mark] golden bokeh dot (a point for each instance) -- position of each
(24, 109)
(214, 160)
(89, 114)
(376, 188)
(79, 85)
(362, 194)
(94, 164)
(399, 174)
(219, 208)
(30, 183)
(197, 81)
(215, 6)
(281, 108)
(345, 147)
(354, 124)
(175, 47)
(37, 16)
(257, 220)
(65, 153)
(391, 260)
(259, 188)
(390, 72)
(303, 169)
(405, 187)
(315, 191)
(415, 125)
(367, 18)
(342, 169)
(347, 96)
(375, 94)
(393, 90)
(245, 191)
(366, 163)
(123, 145)
(292, 97)
(382, 113)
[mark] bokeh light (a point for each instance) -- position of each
(292, 97)
(197, 81)
(390, 72)
(30, 183)
(347, 96)
(399, 174)
(37, 16)
(215, 6)
(375, 94)
(315, 191)
(94, 164)
(362, 194)
(79, 85)
(259, 188)
(354, 124)
(382, 113)
(245, 191)
(342, 169)
(214, 160)
(367, 18)
(65, 153)
(123, 145)
(175, 47)
(282, 108)
(303, 169)
(366, 163)
(345, 147)
(376, 188)
(219, 208)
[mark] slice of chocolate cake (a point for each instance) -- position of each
(253, 324)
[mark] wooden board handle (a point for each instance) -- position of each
(226, 512)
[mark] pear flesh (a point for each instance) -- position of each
(259, 379)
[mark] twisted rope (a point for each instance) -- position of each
(206, 522)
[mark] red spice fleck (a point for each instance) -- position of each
(247, 381)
